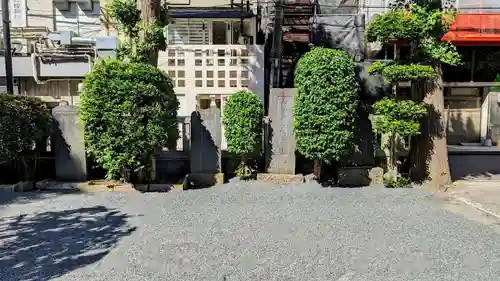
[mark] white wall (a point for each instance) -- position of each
(79, 19)
(64, 16)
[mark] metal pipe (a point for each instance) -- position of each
(82, 40)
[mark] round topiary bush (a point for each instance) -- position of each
(325, 105)
(242, 121)
(128, 110)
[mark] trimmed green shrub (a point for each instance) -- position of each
(396, 118)
(325, 105)
(26, 125)
(128, 110)
(400, 117)
(242, 121)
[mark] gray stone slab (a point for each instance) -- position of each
(68, 143)
(206, 138)
(280, 151)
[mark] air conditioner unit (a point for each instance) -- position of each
(85, 5)
(66, 37)
(88, 2)
(61, 5)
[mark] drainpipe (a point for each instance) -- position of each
(36, 76)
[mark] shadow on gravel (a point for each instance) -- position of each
(48, 245)
(7, 197)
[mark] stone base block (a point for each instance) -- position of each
(280, 178)
(23, 186)
(202, 180)
(376, 175)
(359, 176)
(106, 187)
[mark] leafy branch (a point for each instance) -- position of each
(394, 73)
(127, 15)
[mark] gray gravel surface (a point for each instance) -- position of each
(243, 232)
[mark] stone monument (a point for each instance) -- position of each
(280, 142)
(205, 151)
(68, 144)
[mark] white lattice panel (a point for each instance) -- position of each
(213, 70)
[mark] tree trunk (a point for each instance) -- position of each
(317, 169)
(429, 152)
(391, 160)
(150, 13)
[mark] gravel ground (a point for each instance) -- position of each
(242, 232)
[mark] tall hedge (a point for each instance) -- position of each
(25, 121)
(325, 105)
(26, 124)
(128, 109)
(242, 121)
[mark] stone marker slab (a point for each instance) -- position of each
(205, 148)
(280, 141)
(69, 147)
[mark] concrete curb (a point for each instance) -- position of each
(476, 205)
(102, 188)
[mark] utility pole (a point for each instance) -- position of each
(7, 47)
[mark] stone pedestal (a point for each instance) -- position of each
(68, 144)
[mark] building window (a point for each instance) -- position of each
(207, 31)
(235, 31)
(219, 32)
(188, 31)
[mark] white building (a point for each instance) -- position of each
(212, 52)
(41, 66)
(208, 55)
(212, 49)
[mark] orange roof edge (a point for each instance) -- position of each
(481, 28)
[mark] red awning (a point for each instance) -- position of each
(474, 29)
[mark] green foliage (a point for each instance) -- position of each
(496, 88)
(26, 126)
(403, 72)
(396, 182)
(392, 25)
(242, 121)
(25, 122)
(422, 25)
(437, 50)
(325, 105)
(128, 109)
(401, 117)
(127, 15)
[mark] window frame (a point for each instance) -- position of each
(208, 23)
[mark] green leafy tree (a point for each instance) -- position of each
(144, 29)
(325, 106)
(26, 125)
(128, 109)
(242, 121)
(397, 118)
(420, 26)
